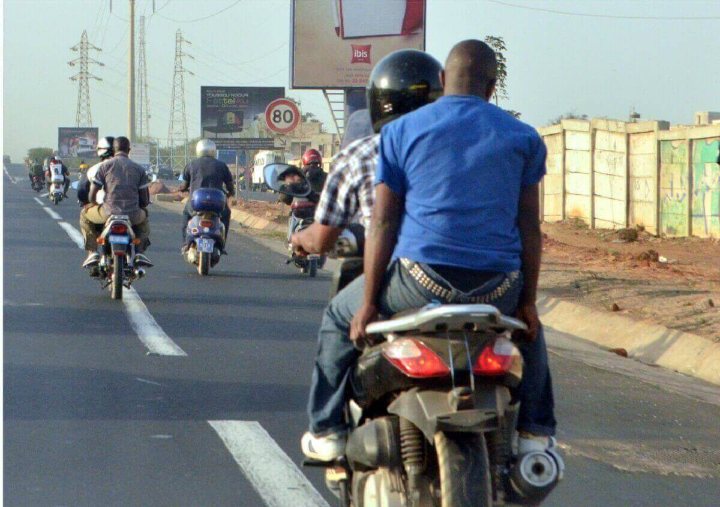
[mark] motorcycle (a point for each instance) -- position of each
(116, 246)
(205, 231)
(302, 212)
(37, 184)
(56, 193)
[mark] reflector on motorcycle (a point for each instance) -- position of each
(206, 223)
(414, 359)
(118, 229)
(496, 358)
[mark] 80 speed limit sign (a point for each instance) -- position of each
(282, 116)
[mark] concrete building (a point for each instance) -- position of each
(707, 117)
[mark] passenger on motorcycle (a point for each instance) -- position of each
(459, 242)
(206, 171)
(126, 193)
(54, 160)
(36, 171)
(104, 152)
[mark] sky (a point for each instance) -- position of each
(599, 58)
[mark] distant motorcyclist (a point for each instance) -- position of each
(35, 170)
(64, 171)
(83, 167)
(206, 171)
(104, 152)
(126, 193)
(312, 165)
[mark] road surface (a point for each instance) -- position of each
(91, 418)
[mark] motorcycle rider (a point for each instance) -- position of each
(104, 152)
(459, 242)
(206, 171)
(36, 171)
(64, 171)
(126, 193)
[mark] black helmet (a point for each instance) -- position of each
(402, 82)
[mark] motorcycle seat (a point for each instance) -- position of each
(435, 318)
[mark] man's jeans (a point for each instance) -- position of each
(336, 354)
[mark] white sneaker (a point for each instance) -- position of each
(326, 448)
(93, 259)
(528, 442)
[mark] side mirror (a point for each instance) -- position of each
(75, 185)
(286, 179)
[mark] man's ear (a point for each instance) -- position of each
(490, 89)
(442, 78)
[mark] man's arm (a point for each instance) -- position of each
(144, 196)
(316, 239)
(379, 246)
(92, 195)
(229, 183)
(185, 184)
(531, 237)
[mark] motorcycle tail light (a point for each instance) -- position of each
(414, 359)
(496, 358)
(118, 229)
(206, 223)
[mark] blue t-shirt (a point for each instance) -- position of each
(460, 165)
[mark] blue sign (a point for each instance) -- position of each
(227, 156)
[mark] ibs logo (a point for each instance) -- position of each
(360, 53)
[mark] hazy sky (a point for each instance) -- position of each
(600, 66)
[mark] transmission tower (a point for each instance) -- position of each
(143, 99)
(83, 117)
(178, 131)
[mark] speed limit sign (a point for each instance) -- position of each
(282, 116)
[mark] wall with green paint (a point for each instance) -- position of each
(706, 188)
(674, 186)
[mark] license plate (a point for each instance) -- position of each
(120, 240)
(205, 245)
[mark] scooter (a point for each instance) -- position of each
(205, 233)
(37, 184)
(116, 246)
(56, 194)
(432, 419)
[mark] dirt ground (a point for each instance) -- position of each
(674, 282)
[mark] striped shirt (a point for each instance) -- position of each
(349, 193)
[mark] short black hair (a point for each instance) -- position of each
(121, 143)
(473, 62)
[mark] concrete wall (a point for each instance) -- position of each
(613, 174)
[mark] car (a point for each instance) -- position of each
(165, 172)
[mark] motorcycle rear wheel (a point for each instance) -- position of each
(56, 199)
(203, 265)
(118, 272)
(464, 468)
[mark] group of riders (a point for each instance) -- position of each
(446, 184)
(41, 172)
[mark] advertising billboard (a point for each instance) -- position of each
(336, 43)
(233, 116)
(77, 141)
(140, 153)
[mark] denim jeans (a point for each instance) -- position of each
(337, 355)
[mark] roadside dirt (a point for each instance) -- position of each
(674, 282)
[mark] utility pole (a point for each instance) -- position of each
(131, 75)
(177, 130)
(143, 99)
(83, 116)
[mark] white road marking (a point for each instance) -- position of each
(39, 201)
(147, 329)
(52, 213)
(12, 180)
(148, 381)
(271, 472)
(142, 322)
(74, 234)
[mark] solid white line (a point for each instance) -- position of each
(39, 201)
(74, 234)
(142, 322)
(52, 213)
(8, 175)
(147, 329)
(271, 472)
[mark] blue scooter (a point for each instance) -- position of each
(205, 233)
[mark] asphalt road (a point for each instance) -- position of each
(92, 419)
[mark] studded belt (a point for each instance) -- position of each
(419, 274)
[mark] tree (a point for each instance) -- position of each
(571, 115)
(498, 45)
(40, 153)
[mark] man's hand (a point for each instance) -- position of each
(297, 245)
(367, 314)
(529, 315)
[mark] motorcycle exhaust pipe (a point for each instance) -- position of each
(534, 476)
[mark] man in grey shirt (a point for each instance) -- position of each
(126, 193)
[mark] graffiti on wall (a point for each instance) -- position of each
(674, 180)
(706, 188)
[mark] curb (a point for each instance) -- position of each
(644, 341)
(649, 343)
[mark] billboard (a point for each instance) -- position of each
(77, 141)
(140, 153)
(233, 116)
(336, 43)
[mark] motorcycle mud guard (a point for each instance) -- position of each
(347, 271)
(434, 411)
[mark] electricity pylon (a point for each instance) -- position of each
(143, 99)
(83, 116)
(178, 130)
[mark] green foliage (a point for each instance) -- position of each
(572, 115)
(40, 153)
(498, 45)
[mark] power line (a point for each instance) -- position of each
(198, 19)
(606, 16)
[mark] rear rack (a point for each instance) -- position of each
(435, 318)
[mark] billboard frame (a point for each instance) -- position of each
(292, 52)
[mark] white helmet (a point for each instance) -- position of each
(206, 148)
(105, 147)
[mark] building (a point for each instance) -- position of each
(707, 117)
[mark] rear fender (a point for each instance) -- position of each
(433, 411)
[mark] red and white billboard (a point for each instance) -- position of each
(337, 42)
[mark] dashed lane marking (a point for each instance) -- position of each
(271, 472)
(12, 180)
(52, 213)
(74, 234)
(39, 201)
